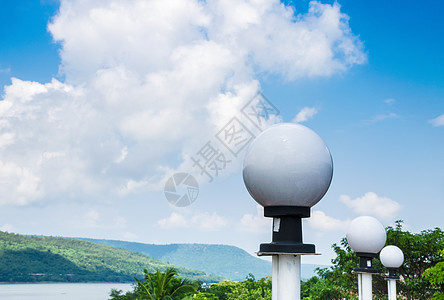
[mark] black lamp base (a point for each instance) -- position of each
(365, 263)
(287, 231)
(392, 274)
(275, 248)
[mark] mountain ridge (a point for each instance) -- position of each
(58, 259)
(222, 260)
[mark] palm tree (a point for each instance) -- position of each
(164, 285)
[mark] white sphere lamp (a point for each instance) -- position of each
(366, 236)
(392, 258)
(287, 169)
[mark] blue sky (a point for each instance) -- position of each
(134, 98)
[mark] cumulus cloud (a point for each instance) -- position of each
(320, 221)
(129, 236)
(438, 121)
(175, 220)
(19, 185)
(8, 228)
(146, 83)
(372, 204)
(209, 222)
(255, 223)
(201, 221)
(305, 114)
(92, 219)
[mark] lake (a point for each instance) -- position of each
(63, 291)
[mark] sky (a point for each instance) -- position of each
(103, 102)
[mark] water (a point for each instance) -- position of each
(63, 291)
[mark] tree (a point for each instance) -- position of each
(250, 289)
(336, 282)
(164, 285)
(421, 252)
(222, 289)
(435, 275)
(203, 296)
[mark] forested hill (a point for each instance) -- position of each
(223, 260)
(30, 258)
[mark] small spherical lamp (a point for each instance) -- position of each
(287, 169)
(366, 236)
(392, 258)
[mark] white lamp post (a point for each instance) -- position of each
(287, 170)
(392, 258)
(366, 236)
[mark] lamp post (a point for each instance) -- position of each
(366, 236)
(392, 258)
(287, 169)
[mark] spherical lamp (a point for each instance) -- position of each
(287, 169)
(366, 236)
(392, 258)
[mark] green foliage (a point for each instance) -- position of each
(421, 252)
(164, 286)
(249, 289)
(435, 275)
(222, 289)
(160, 286)
(37, 259)
(336, 282)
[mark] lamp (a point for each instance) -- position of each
(287, 169)
(392, 258)
(366, 236)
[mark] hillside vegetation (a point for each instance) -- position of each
(227, 261)
(31, 259)
(223, 260)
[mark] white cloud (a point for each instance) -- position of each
(320, 221)
(175, 220)
(92, 220)
(18, 185)
(147, 83)
(382, 117)
(129, 236)
(199, 221)
(5, 70)
(256, 224)
(372, 204)
(122, 156)
(438, 121)
(390, 101)
(209, 222)
(8, 228)
(305, 114)
(6, 139)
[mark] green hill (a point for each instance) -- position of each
(227, 261)
(34, 259)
